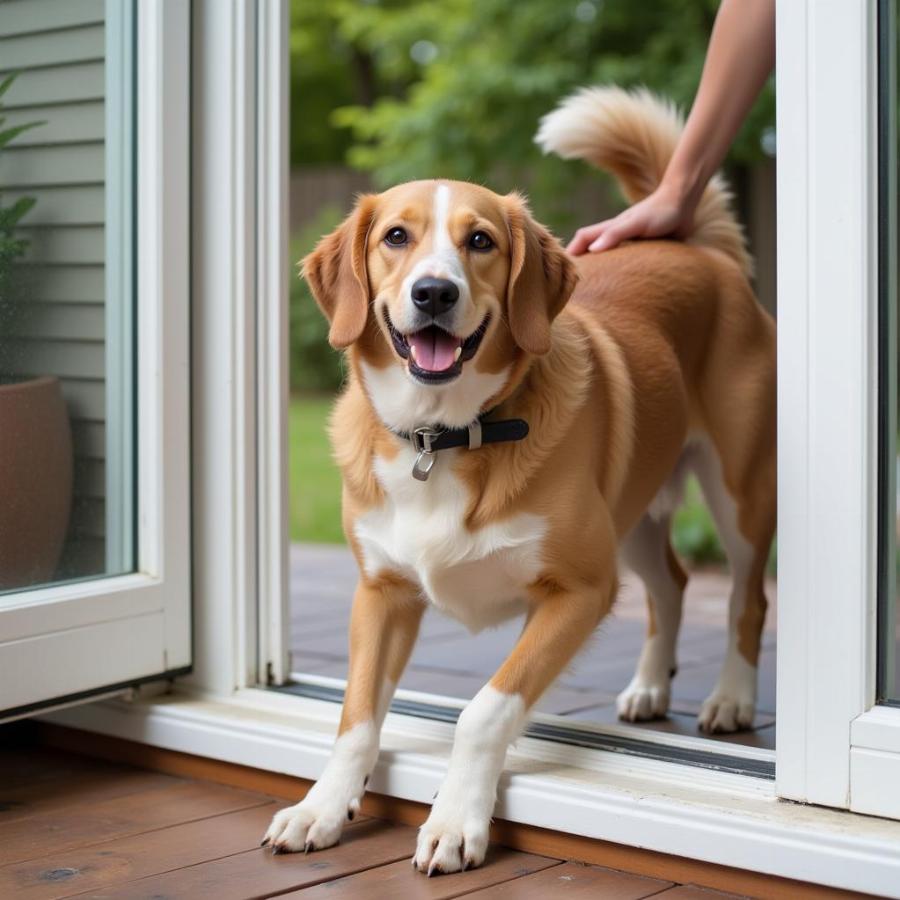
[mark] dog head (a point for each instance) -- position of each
(441, 288)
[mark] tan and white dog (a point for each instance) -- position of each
(631, 368)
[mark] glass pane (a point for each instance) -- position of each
(382, 96)
(66, 292)
(889, 622)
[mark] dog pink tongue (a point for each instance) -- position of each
(435, 350)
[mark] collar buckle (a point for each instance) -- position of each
(422, 439)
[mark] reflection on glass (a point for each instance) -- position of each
(66, 294)
(889, 608)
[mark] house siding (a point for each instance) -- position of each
(58, 327)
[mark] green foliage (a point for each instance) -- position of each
(313, 363)
(694, 535)
(486, 71)
(315, 481)
(321, 79)
(12, 246)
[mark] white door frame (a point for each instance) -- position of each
(61, 642)
(827, 422)
(240, 388)
(835, 746)
(273, 391)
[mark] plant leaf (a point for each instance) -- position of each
(6, 84)
(12, 215)
(12, 133)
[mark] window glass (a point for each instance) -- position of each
(66, 292)
(889, 614)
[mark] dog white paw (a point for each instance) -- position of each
(451, 843)
(643, 700)
(313, 824)
(723, 713)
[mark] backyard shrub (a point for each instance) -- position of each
(315, 366)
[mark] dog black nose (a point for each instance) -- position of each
(434, 295)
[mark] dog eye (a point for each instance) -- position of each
(480, 241)
(396, 237)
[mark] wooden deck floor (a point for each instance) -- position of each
(73, 826)
(448, 660)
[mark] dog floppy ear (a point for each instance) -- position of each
(336, 274)
(541, 278)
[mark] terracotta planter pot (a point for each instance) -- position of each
(35, 480)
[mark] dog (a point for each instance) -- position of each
(516, 423)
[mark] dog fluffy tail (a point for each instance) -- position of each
(633, 134)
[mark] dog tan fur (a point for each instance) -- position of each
(631, 368)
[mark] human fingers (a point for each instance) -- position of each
(584, 237)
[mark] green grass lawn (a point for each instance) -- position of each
(316, 489)
(315, 480)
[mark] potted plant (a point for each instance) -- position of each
(35, 436)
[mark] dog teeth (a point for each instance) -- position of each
(412, 352)
(457, 355)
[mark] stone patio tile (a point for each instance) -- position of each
(319, 664)
(449, 660)
(763, 734)
(693, 684)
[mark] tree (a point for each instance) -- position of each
(459, 85)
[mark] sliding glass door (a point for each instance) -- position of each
(94, 567)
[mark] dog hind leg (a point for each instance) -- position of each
(732, 703)
(649, 553)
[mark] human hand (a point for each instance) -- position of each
(660, 214)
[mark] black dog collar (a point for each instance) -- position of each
(428, 440)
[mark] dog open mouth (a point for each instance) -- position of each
(434, 355)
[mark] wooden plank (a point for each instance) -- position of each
(576, 880)
(86, 398)
(38, 774)
(65, 123)
(89, 439)
(88, 517)
(72, 788)
(692, 892)
(110, 865)
(60, 84)
(90, 478)
(67, 205)
(39, 765)
(57, 322)
(527, 838)
(64, 284)
(65, 244)
(26, 16)
(258, 873)
(401, 880)
(657, 865)
(175, 762)
(53, 48)
(106, 820)
(67, 359)
(40, 166)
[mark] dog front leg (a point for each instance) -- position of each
(383, 627)
(455, 836)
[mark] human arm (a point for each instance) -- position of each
(739, 59)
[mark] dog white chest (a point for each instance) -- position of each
(478, 577)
